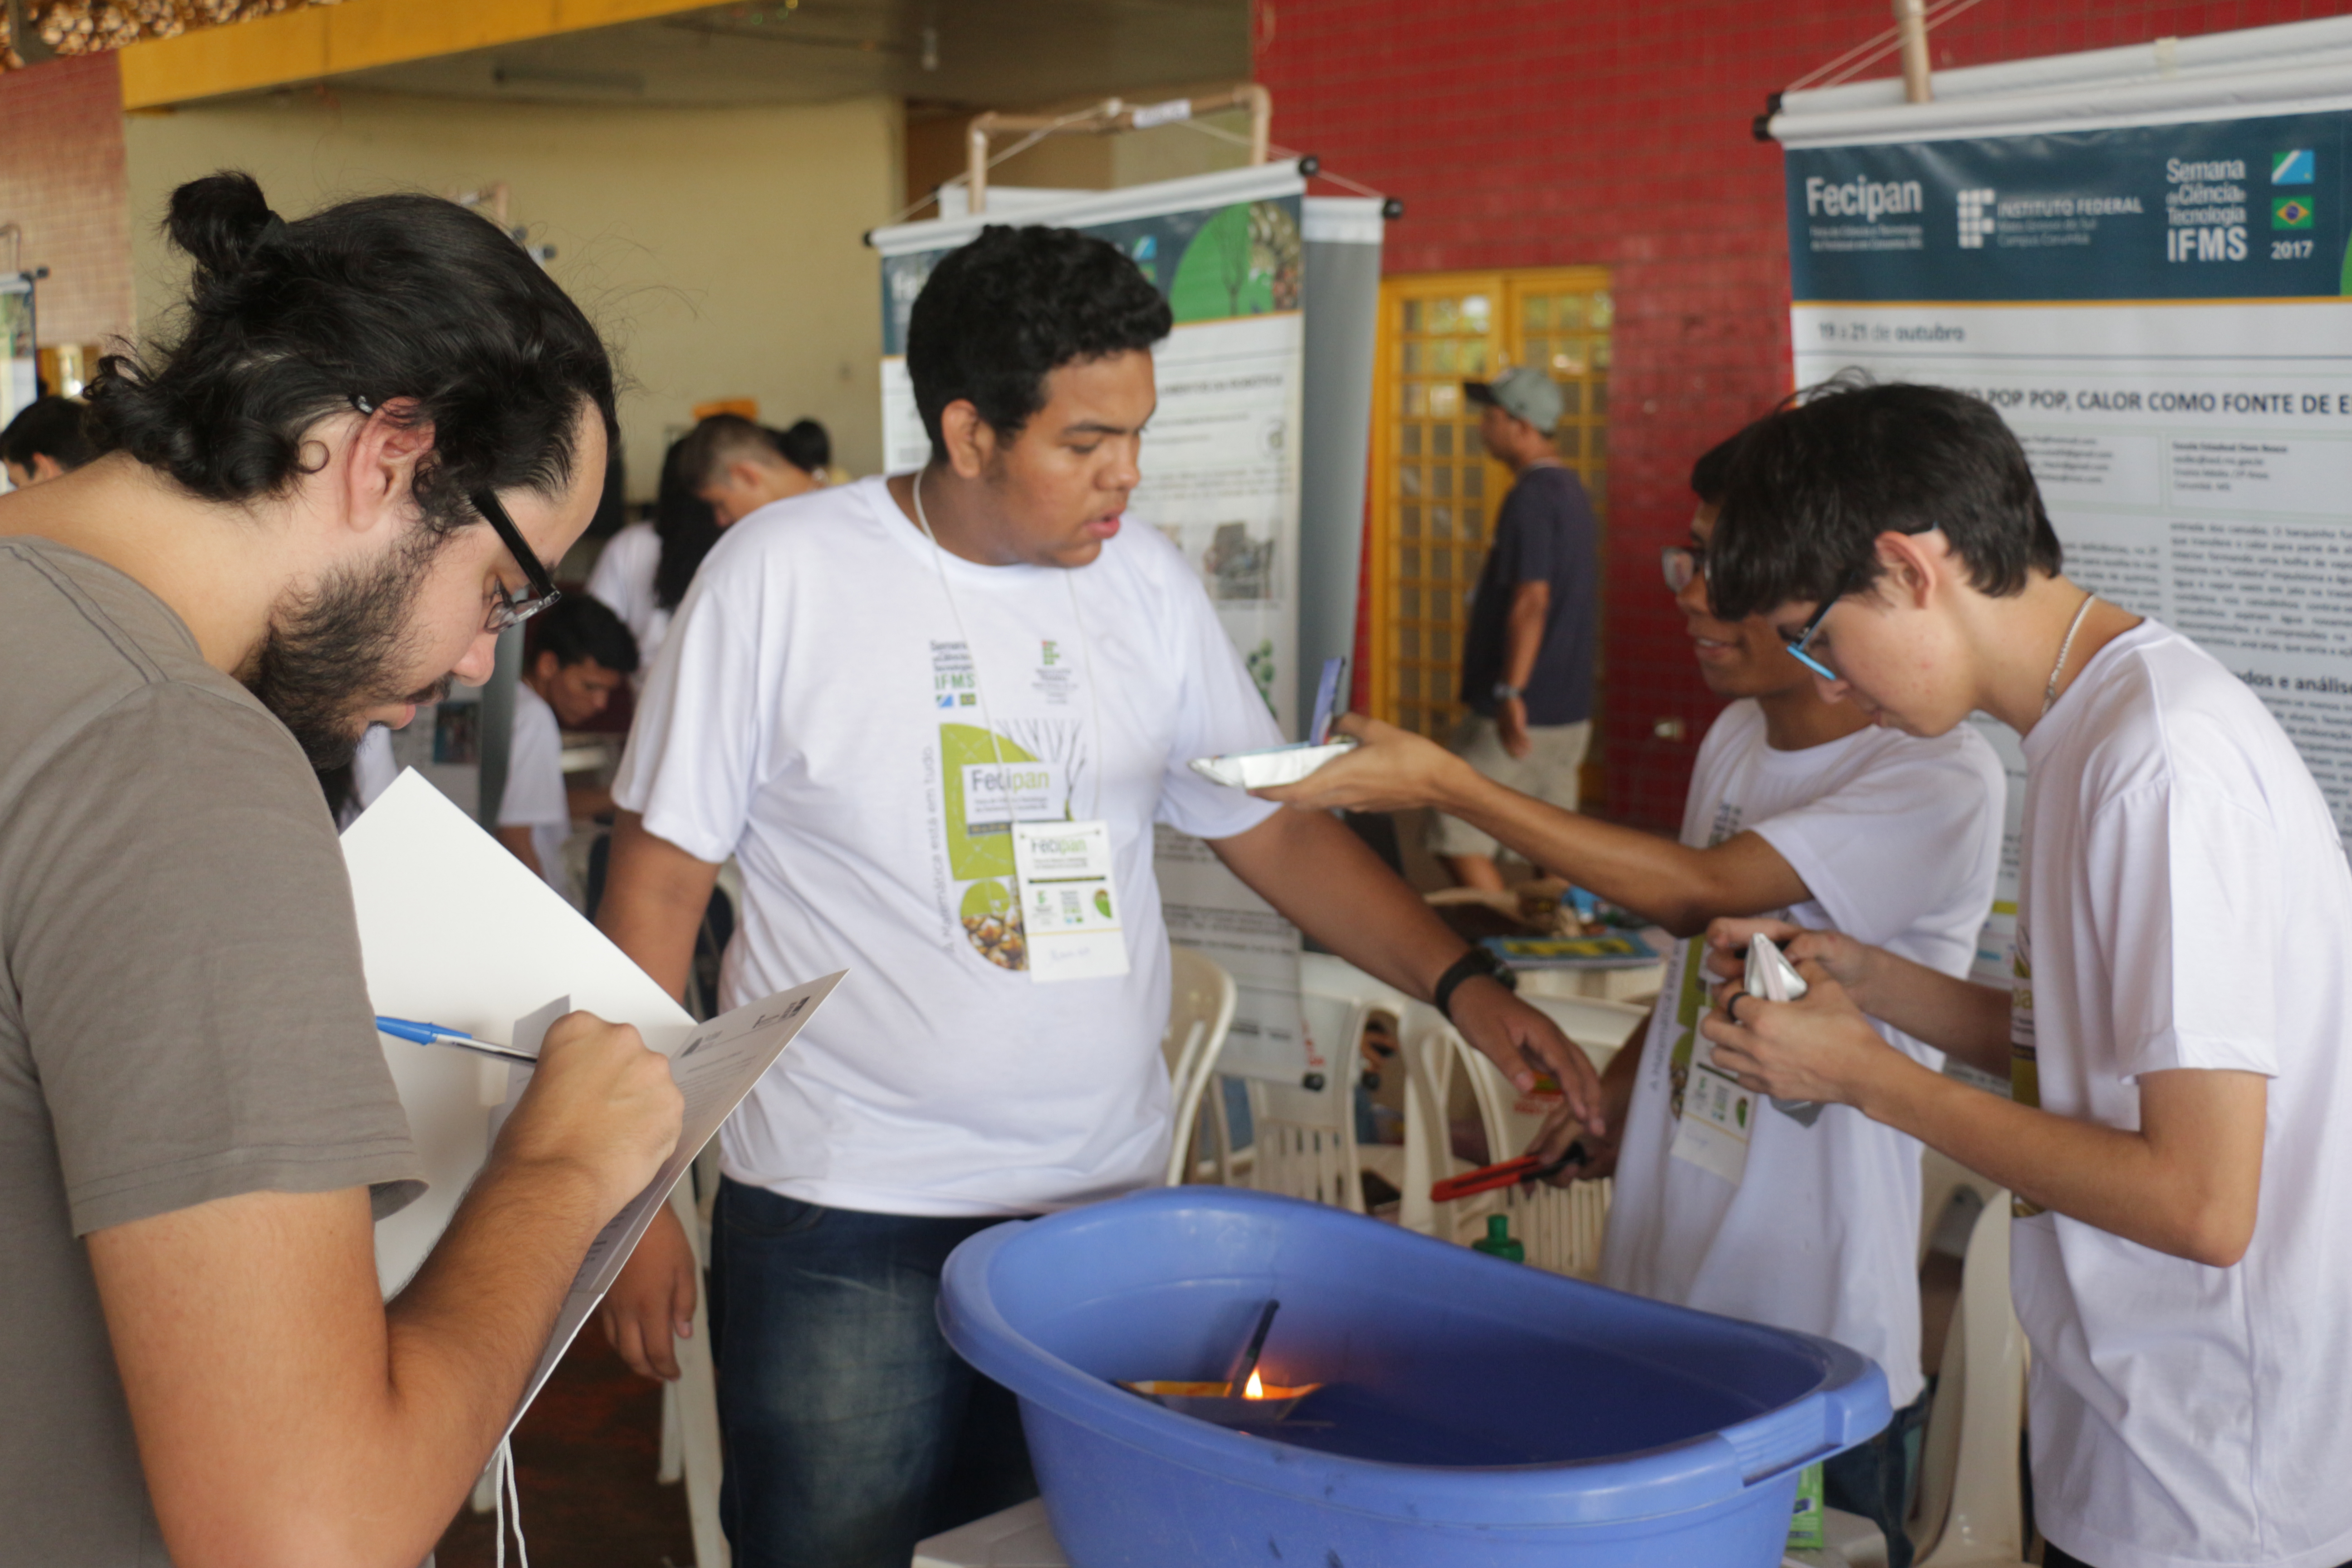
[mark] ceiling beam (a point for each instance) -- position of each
(318, 41)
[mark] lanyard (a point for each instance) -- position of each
(971, 650)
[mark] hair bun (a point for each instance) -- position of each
(221, 220)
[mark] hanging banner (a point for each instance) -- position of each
(2145, 273)
(1221, 482)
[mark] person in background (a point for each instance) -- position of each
(2174, 1030)
(318, 505)
(50, 436)
(842, 688)
(1796, 806)
(646, 568)
(1526, 655)
(807, 448)
(737, 466)
(583, 654)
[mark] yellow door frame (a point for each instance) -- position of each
(1429, 341)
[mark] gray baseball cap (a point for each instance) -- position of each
(1524, 393)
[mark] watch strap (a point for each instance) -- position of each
(1475, 962)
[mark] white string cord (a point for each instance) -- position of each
(971, 652)
(506, 1499)
(1205, 127)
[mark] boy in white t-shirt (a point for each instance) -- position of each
(583, 654)
(894, 704)
(2175, 1032)
(1796, 806)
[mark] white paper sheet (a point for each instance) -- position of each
(455, 930)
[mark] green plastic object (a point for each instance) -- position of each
(1498, 1242)
(1805, 1520)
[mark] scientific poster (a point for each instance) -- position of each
(2157, 308)
(1221, 480)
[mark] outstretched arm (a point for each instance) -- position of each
(1679, 887)
(1325, 881)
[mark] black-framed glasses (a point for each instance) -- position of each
(509, 610)
(1681, 565)
(1803, 639)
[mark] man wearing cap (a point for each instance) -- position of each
(1527, 659)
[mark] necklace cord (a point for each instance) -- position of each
(2050, 691)
(971, 652)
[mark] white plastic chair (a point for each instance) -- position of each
(1971, 1508)
(1562, 1229)
(1201, 1000)
(1303, 1140)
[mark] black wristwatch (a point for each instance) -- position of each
(1475, 962)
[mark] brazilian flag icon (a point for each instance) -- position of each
(2291, 211)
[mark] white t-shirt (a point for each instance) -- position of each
(2184, 903)
(372, 771)
(816, 715)
(623, 579)
(534, 794)
(1898, 840)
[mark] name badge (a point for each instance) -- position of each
(1069, 911)
(1717, 1116)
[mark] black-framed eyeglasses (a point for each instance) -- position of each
(508, 610)
(1803, 639)
(1681, 563)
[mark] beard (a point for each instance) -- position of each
(334, 652)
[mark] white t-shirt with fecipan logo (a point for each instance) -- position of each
(1817, 1229)
(817, 713)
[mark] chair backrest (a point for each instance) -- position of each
(1563, 1228)
(1303, 1138)
(1201, 1000)
(1971, 1508)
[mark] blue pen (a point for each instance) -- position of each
(434, 1035)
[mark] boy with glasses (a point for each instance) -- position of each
(1796, 804)
(2174, 1031)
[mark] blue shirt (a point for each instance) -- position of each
(1545, 534)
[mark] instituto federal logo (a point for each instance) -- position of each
(1975, 218)
(2295, 166)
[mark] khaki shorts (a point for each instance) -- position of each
(1548, 772)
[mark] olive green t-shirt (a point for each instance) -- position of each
(182, 1015)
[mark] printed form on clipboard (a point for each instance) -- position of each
(455, 930)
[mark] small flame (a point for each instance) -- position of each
(1257, 1389)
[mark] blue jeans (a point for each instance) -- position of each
(1875, 1479)
(852, 1431)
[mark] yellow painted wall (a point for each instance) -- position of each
(718, 248)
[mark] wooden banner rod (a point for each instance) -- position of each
(1109, 116)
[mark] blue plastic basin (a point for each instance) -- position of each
(1475, 1411)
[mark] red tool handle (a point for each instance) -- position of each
(1485, 1178)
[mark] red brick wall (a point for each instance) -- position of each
(1537, 133)
(61, 178)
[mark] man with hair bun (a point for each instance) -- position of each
(2174, 1030)
(305, 520)
(872, 699)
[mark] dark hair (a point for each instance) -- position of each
(997, 316)
(722, 440)
(1711, 476)
(579, 626)
(56, 428)
(1815, 483)
(362, 303)
(803, 445)
(686, 526)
